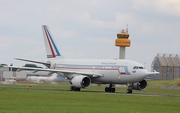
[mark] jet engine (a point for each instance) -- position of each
(81, 81)
(140, 85)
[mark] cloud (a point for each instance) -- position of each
(165, 7)
(88, 28)
(5, 42)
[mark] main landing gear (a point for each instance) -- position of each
(110, 88)
(129, 90)
(72, 88)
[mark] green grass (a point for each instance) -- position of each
(19, 99)
(165, 82)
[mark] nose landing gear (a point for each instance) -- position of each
(129, 90)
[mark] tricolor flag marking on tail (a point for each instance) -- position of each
(52, 50)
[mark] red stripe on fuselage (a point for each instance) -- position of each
(53, 54)
(79, 69)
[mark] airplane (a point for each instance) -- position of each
(40, 79)
(81, 73)
(10, 80)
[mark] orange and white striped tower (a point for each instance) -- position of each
(122, 42)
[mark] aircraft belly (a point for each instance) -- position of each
(116, 78)
(128, 79)
(109, 77)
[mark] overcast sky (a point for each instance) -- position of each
(88, 28)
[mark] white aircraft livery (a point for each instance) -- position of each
(81, 73)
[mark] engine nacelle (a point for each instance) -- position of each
(140, 85)
(81, 81)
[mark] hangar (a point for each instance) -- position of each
(168, 65)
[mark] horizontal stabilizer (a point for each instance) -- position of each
(39, 62)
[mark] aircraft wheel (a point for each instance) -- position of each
(110, 89)
(113, 90)
(129, 90)
(106, 89)
(77, 89)
(72, 88)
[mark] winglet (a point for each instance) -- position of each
(51, 47)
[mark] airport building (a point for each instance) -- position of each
(168, 65)
(6, 72)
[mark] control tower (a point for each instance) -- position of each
(122, 42)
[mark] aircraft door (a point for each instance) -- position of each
(122, 70)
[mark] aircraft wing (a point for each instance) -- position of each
(65, 72)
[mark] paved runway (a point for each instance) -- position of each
(99, 92)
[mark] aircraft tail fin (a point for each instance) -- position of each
(51, 48)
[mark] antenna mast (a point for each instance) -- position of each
(126, 28)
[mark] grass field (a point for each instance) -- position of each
(48, 98)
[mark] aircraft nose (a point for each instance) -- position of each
(144, 73)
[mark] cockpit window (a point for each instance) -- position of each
(135, 67)
(138, 67)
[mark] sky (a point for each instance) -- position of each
(87, 29)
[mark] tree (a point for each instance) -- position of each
(32, 65)
(1, 65)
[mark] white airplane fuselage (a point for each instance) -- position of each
(113, 71)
